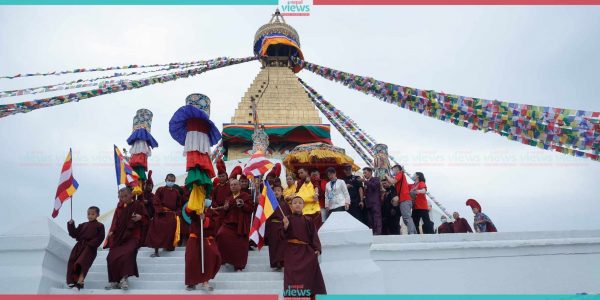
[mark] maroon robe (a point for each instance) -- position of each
(220, 193)
(232, 236)
(446, 228)
(124, 242)
(167, 206)
(273, 236)
(184, 228)
(301, 263)
(193, 258)
(461, 226)
(89, 236)
(146, 198)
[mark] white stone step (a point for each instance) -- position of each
(143, 260)
(180, 291)
(100, 266)
(180, 252)
(143, 284)
(234, 276)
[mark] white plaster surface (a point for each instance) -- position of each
(33, 260)
(346, 264)
(550, 262)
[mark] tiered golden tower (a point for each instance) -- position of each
(282, 105)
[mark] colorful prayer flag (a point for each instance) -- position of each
(67, 185)
(125, 174)
(267, 204)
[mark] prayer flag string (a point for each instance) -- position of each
(341, 130)
(100, 69)
(568, 131)
(337, 117)
(27, 106)
(81, 83)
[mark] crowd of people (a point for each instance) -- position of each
(154, 219)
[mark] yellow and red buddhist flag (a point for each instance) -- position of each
(267, 204)
(67, 185)
(258, 165)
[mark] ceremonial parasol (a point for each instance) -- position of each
(318, 156)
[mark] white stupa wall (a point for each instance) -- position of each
(346, 262)
(553, 262)
(33, 258)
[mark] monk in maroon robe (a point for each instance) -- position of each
(147, 198)
(446, 227)
(245, 183)
(89, 236)
(193, 258)
(273, 236)
(232, 237)
(221, 191)
(302, 271)
(123, 240)
(168, 201)
(184, 228)
(460, 225)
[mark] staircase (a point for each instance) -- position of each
(165, 275)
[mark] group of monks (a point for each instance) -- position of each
(220, 235)
(155, 220)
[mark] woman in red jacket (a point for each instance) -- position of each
(420, 209)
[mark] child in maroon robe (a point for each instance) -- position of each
(303, 248)
(193, 257)
(123, 240)
(273, 236)
(89, 236)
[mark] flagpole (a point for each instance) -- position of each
(281, 210)
(202, 242)
(71, 207)
(253, 202)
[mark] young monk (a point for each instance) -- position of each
(123, 240)
(193, 256)
(89, 236)
(273, 236)
(232, 237)
(302, 251)
(245, 183)
(290, 191)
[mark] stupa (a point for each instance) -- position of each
(281, 103)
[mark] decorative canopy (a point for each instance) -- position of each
(318, 156)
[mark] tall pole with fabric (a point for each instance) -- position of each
(192, 128)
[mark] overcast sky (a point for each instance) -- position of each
(535, 55)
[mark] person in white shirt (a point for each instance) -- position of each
(337, 197)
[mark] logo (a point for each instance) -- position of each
(296, 292)
(295, 8)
